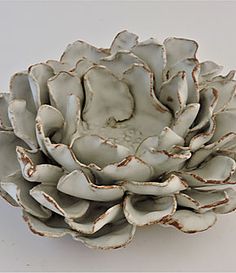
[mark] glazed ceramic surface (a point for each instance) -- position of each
(106, 140)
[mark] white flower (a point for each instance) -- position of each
(109, 139)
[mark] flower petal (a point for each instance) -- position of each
(131, 168)
(80, 49)
(191, 68)
(200, 155)
(94, 149)
(38, 77)
(174, 93)
(106, 97)
(78, 184)
(110, 236)
(58, 66)
(18, 115)
(48, 121)
(119, 62)
(20, 89)
(152, 53)
(49, 197)
(230, 205)
(62, 85)
(19, 189)
(82, 66)
(224, 124)
(199, 200)
(97, 216)
(33, 169)
(124, 40)
(178, 49)
(226, 90)
(72, 118)
(216, 171)
(191, 222)
(164, 161)
(185, 120)
(171, 185)
(8, 159)
(146, 210)
(208, 70)
(206, 134)
(4, 119)
(54, 227)
(208, 101)
(168, 138)
(149, 114)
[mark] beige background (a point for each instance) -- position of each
(32, 32)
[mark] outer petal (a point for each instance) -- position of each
(82, 67)
(171, 185)
(54, 227)
(178, 49)
(4, 120)
(18, 115)
(216, 171)
(202, 199)
(200, 155)
(226, 90)
(61, 86)
(38, 77)
(33, 169)
(107, 98)
(224, 124)
(20, 89)
(191, 222)
(80, 49)
(96, 218)
(8, 159)
(58, 66)
(142, 210)
(124, 40)
(49, 197)
(19, 189)
(110, 237)
(94, 149)
(80, 185)
(9, 163)
(230, 205)
(208, 70)
(152, 53)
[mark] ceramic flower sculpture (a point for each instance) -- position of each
(107, 140)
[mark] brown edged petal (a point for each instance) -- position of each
(78, 184)
(143, 210)
(124, 40)
(191, 222)
(18, 188)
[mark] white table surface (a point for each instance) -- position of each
(32, 32)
